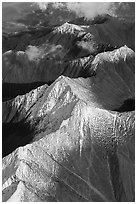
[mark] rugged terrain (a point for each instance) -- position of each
(68, 112)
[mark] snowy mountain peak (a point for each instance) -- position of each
(69, 28)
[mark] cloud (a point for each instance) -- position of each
(33, 52)
(36, 53)
(42, 5)
(86, 9)
(91, 9)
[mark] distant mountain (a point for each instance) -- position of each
(20, 16)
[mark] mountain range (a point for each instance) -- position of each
(68, 111)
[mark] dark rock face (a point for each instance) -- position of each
(69, 114)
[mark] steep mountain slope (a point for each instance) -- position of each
(18, 69)
(70, 137)
(74, 135)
